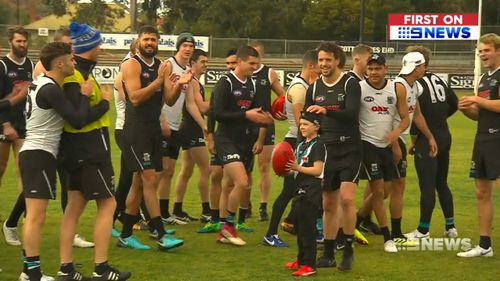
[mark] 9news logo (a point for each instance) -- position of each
(433, 32)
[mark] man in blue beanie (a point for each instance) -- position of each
(86, 155)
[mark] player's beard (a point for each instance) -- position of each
(20, 52)
(147, 54)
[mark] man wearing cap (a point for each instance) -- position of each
(86, 154)
(380, 104)
(406, 83)
(171, 117)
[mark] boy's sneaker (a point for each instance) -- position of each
(320, 239)
(451, 233)
(132, 242)
(72, 276)
(11, 235)
(243, 227)
(274, 241)
(25, 277)
(229, 232)
(477, 252)
(112, 274)
(80, 242)
(211, 227)
(169, 242)
(416, 235)
(370, 227)
(390, 246)
(173, 220)
(304, 270)
(204, 218)
(326, 262)
(292, 265)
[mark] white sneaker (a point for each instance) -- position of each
(476, 252)
(174, 221)
(25, 277)
(10, 234)
(451, 233)
(416, 235)
(80, 242)
(390, 246)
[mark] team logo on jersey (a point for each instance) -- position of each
(493, 82)
(263, 82)
(374, 168)
(369, 99)
(237, 93)
(146, 75)
(390, 100)
(244, 104)
(252, 94)
(146, 157)
(340, 97)
(319, 98)
(305, 159)
(12, 74)
(484, 94)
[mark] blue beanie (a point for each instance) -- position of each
(84, 37)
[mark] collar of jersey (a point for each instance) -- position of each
(85, 66)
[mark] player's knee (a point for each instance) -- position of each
(483, 195)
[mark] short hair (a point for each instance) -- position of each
(231, 52)
(52, 51)
(148, 29)
(197, 53)
(490, 39)
(426, 52)
(60, 33)
(361, 49)
(133, 46)
(16, 29)
(310, 56)
(336, 50)
(244, 52)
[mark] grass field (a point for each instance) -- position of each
(202, 259)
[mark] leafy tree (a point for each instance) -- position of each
(98, 14)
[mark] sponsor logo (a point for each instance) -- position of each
(244, 104)
(369, 99)
(484, 94)
(12, 74)
(237, 93)
(319, 98)
(461, 81)
(378, 108)
(390, 100)
(228, 157)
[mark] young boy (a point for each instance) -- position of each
(307, 171)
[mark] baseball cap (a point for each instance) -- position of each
(410, 61)
(380, 59)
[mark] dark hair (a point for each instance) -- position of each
(52, 51)
(60, 33)
(231, 52)
(336, 50)
(16, 29)
(197, 53)
(244, 52)
(361, 49)
(426, 52)
(310, 56)
(133, 46)
(148, 29)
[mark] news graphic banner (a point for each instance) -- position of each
(433, 27)
(121, 41)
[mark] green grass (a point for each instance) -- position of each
(202, 259)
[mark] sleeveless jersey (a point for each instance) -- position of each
(188, 121)
(262, 79)
(355, 75)
(377, 112)
(148, 111)
(412, 95)
(174, 113)
(44, 126)
(488, 122)
(120, 103)
(297, 81)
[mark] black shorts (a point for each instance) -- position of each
(95, 180)
(38, 173)
(215, 161)
(21, 132)
(191, 137)
(270, 135)
(400, 168)
(171, 146)
(343, 164)
(486, 158)
(228, 152)
(377, 162)
(119, 138)
(142, 148)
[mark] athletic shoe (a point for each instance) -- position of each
(287, 227)
(115, 233)
(339, 245)
(320, 238)
(221, 239)
(477, 252)
(169, 242)
(243, 227)
(80, 242)
(154, 234)
(10, 234)
(173, 220)
(390, 246)
(403, 241)
(326, 262)
(72, 276)
(292, 265)
(132, 242)
(370, 227)
(346, 263)
(204, 218)
(185, 217)
(416, 235)
(210, 227)
(112, 274)
(274, 241)
(263, 216)
(25, 277)
(451, 233)
(304, 270)
(229, 232)
(141, 225)
(360, 238)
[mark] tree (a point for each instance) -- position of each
(97, 14)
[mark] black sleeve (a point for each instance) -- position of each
(318, 152)
(210, 117)
(352, 103)
(414, 130)
(73, 93)
(452, 100)
(309, 96)
(222, 108)
(4, 104)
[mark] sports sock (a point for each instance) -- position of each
(329, 246)
(340, 236)
(423, 227)
(164, 208)
(157, 224)
(67, 267)
(348, 243)
(449, 223)
(386, 233)
(145, 212)
(128, 224)
(16, 212)
(230, 218)
(214, 215)
(100, 268)
(396, 228)
(359, 219)
(33, 268)
(177, 208)
(242, 215)
(205, 208)
(263, 206)
(485, 242)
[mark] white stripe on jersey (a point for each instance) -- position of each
(412, 94)
(174, 113)
(292, 125)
